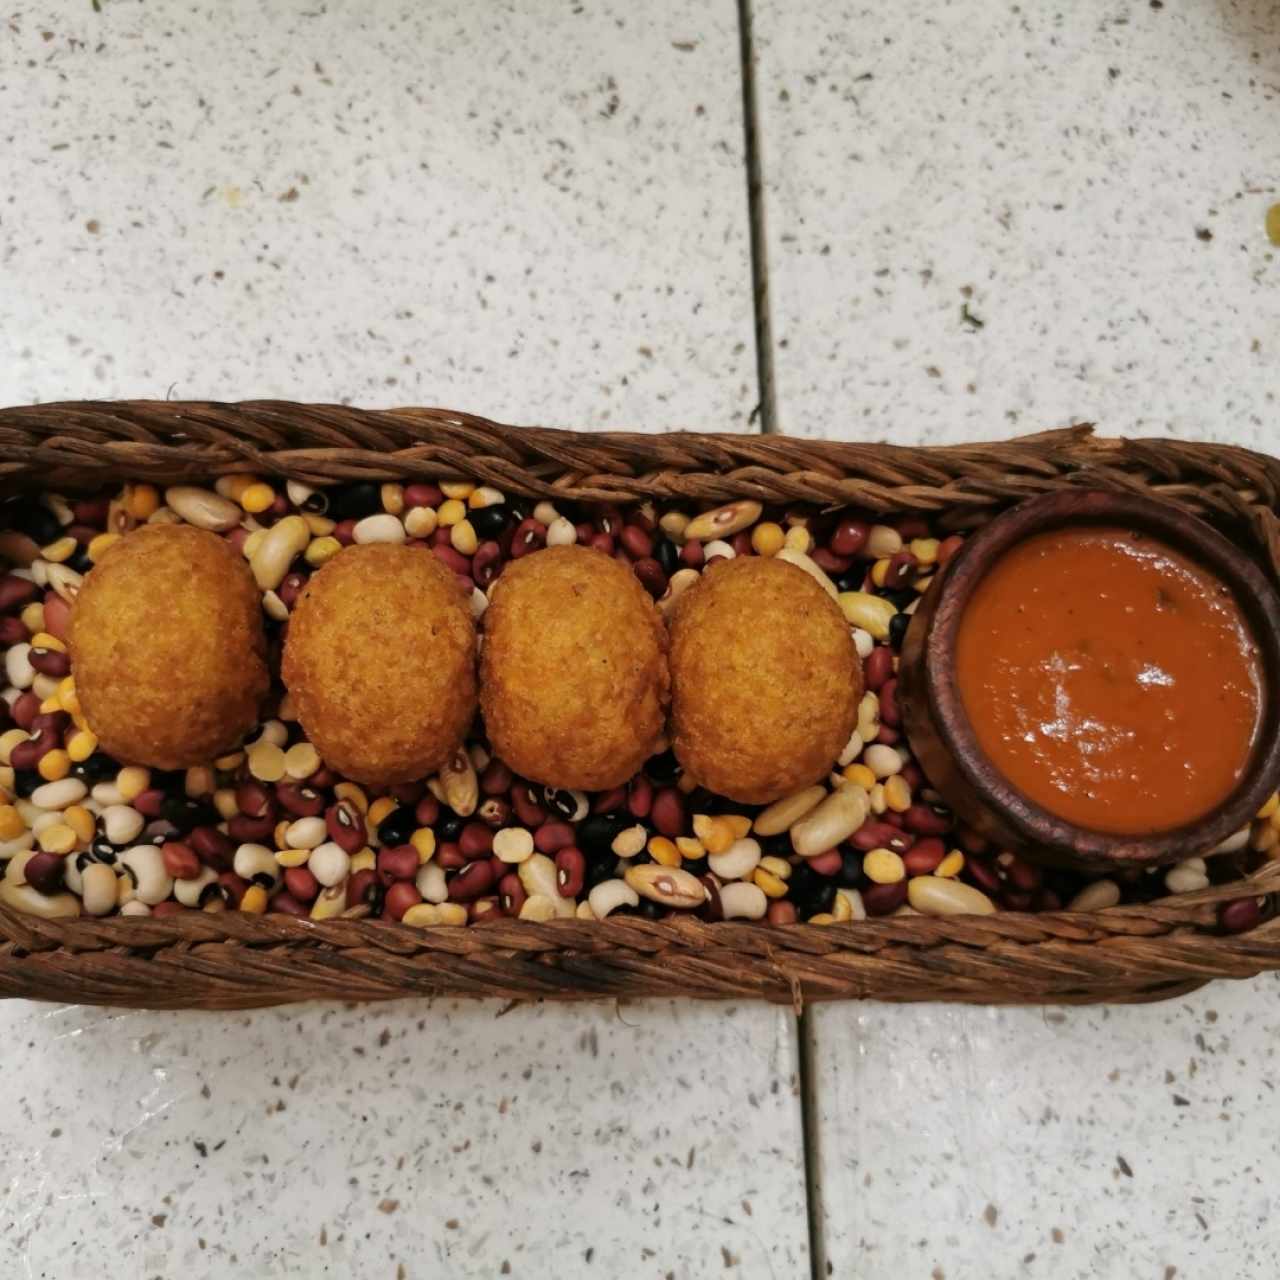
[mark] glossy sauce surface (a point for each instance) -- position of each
(1111, 679)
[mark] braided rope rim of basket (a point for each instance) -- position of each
(229, 960)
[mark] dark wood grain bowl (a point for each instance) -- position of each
(943, 738)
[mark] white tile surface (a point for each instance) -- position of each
(400, 1142)
(966, 1144)
(1059, 162)
(531, 211)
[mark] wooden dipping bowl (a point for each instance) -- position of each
(944, 741)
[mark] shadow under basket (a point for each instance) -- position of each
(1136, 952)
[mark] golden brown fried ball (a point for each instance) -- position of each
(380, 660)
(167, 647)
(573, 671)
(765, 680)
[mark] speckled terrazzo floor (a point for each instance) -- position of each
(977, 221)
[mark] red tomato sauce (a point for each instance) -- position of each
(1111, 679)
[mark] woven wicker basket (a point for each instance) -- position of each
(229, 960)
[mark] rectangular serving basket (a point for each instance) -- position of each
(229, 960)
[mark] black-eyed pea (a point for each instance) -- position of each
(144, 870)
(197, 890)
(669, 886)
(609, 895)
(257, 863)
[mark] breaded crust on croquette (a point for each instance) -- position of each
(573, 669)
(167, 647)
(765, 680)
(380, 662)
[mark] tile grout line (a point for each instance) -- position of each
(768, 417)
(766, 409)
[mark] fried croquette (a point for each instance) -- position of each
(573, 670)
(167, 647)
(765, 680)
(380, 662)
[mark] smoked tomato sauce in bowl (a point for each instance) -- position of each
(1094, 681)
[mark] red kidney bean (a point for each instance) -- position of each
(927, 820)
(668, 812)
(825, 864)
(26, 755)
(879, 835)
(894, 820)
(149, 803)
(299, 801)
(1237, 916)
(302, 884)
(1022, 875)
(525, 802)
(1016, 900)
(571, 871)
(912, 527)
(82, 533)
(26, 706)
(397, 863)
(407, 793)
(901, 571)
(948, 547)
(923, 857)
(244, 829)
(609, 801)
(881, 899)
(254, 800)
(691, 555)
(427, 814)
(970, 840)
(283, 904)
(609, 520)
(877, 671)
(440, 537)
(985, 875)
(449, 856)
(830, 563)
(14, 630)
(601, 542)
(586, 531)
(888, 736)
(323, 777)
(849, 537)
(169, 908)
(889, 713)
(362, 886)
(496, 779)
(423, 495)
(279, 507)
(50, 662)
(530, 534)
(781, 912)
(741, 543)
(233, 887)
(345, 532)
(56, 721)
(639, 797)
(180, 860)
(344, 824)
(44, 872)
(486, 562)
(212, 847)
(16, 592)
(291, 588)
(498, 867)
(553, 836)
(454, 559)
(475, 840)
(57, 615)
(511, 894)
(238, 537)
(471, 882)
(1046, 900)
(652, 577)
(636, 542)
(91, 510)
(400, 897)
(912, 776)
(494, 812)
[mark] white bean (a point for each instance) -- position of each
(151, 882)
(936, 896)
(329, 863)
(379, 528)
(738, 861)
(204, 509)
(883, 761)
(834, 820)
(273, 555)
(431, 884)
(609, 895)
(782, 814)
(121, 823)
(561, 533)
(1096, 896)
(58, 795)
(305, 833)
(743, 901)
(98, 888)
(17, 666)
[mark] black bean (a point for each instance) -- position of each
(597, 832)
(649, 910)
(25, 781)
(489, 522)
(899, 599)
(37, 522)
(850, 874)
(663, 769)
(898, 625)
(183, 813)
(667, 555)
(397, 827)
(448, 826)
(695, 866)
(97, 768)
(598, 871)
(355, 501)
(79, 560)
